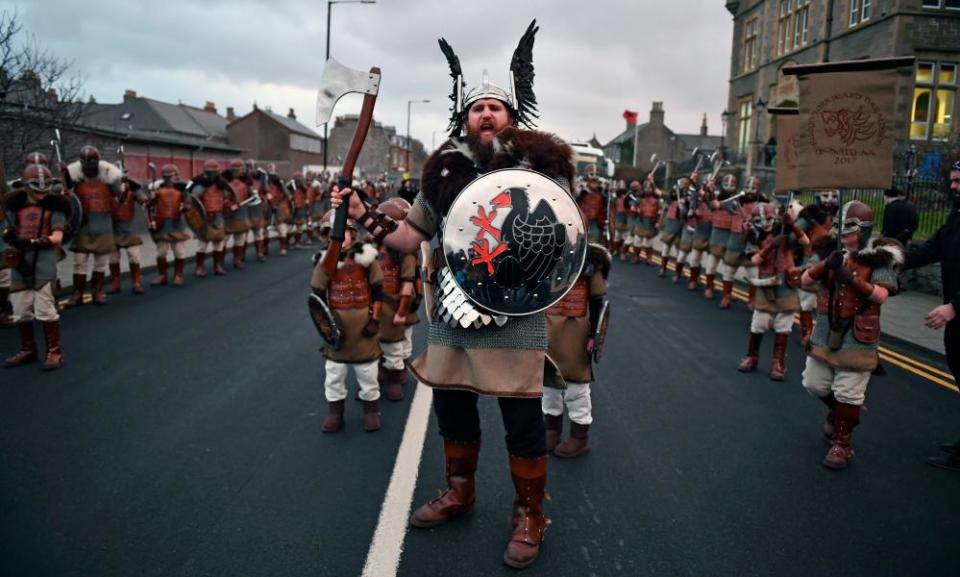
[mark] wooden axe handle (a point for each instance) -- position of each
(340, 218)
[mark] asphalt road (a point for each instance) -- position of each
(183, 438)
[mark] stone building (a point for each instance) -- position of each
(280, 140)
(771, 34)
(384, 151)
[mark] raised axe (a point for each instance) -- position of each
(337, 81)
(657, 163)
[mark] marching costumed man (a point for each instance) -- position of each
(721, 218)
(236, 222)
(777, 281)
(572, 324)
(472, 351)
(689, 200)
(851, 285)
(167, 228)
(621, 226)
(702, 223)
(671, 225)
(646, 216)
(400, 274)
(592, 204)
(258, 214)
(276, 194)
(97, 184)
(354, 295)
(735, 256)
(124, 237)
(211, 189)
(298, 194)
(816, 221)
(34, 227)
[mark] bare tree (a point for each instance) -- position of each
(37, 94)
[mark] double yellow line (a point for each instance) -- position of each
(906, 363)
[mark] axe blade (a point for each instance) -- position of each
(338, 80)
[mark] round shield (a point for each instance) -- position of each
(600, 335)
(324, 322)
(514, 242)
(195, 216)
(74, 220)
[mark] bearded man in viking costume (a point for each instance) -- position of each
(474, 350)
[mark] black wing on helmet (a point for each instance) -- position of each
(521, 69)
(453, 61)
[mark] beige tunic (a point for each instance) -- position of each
(569, 336)
(389, 332)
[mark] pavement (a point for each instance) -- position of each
(183, 438)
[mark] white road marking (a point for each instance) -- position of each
(383, 557)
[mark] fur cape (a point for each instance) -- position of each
(813, 213)
(460, 160)
(598, 258)
(880, 252)
(364, 254)
(16, 200)
(109, 173)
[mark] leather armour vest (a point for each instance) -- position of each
(240, 191)
(349, 288)
(648, 207)
(850, 305)
(212, 199)
(390, 265)
(123, 210)
(29, 225)
(574, 304)
(591, 205)
(168, 203)
(94, 196)
(299, 198)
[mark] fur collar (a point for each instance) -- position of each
(364, 256)
(880, 252)
(460, 160)
(109, 173)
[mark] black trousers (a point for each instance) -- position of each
(951, 342)
(459, 420)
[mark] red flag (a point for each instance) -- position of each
(630, 116)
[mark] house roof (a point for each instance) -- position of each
(626, 135)
(708, 142)
(291, 124)
(148, 115)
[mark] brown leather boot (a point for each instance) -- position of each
(649, 256)
(460, 496)
(694, 278)
(554, 426)
(99, 298)
(178, 272)
(778, 368)
(749, 362)
(371, 416)
(845, 420)
(751, 297)
(238, 257)
(201, 270)
(634, 255)
(394, 379)
(28, 347)
(829, 424)
(333, 422)
(218, 259)
(806, 326)
(576, 444)
(284, 244)
(663, 267)
(708, 290)
(136, 275)
(79, 284)
(678, 277)
(529, 522)
(727, 297)
(161, 279)
(114, 279)
(51, 333)
(260, 250)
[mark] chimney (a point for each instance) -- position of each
(255, 107)
(210, 107)
(52, 95)
(291, 115)
(703, 125)
(129, 95)
(92, 100)
(656, 114)
(231, 115)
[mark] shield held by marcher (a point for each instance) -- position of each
(600, 334)
(324, 321)
(74, 219)
(195, 216)
(514, 241)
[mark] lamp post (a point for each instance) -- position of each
(725, 120)
(330, 4)
(409, 102)
(755, 149)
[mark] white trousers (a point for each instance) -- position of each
(259, 233)
(729, 273)
(335, 382)
(236, 239)
(712, 265)
(211, 247)
(696, 256)
(849, 387)
(179, 249)
(576, 398)
(778, 322)
(4, 278)
(133, 255)
(283, 229)
(80, 259)
(29, 305)
(667, 251)
(808, 301)
(394, 354)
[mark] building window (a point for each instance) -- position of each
(306, 144)
(793, 25)
(934, 100)
(860, 11)
(948, 4)
(744, 117)
(751, 44)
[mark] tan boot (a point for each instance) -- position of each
(161, 279)
(238, 257)
(708, 291)
(529, 522)
(727, 297)
(201, 270)
(576, 444)
(28, 347)
(460, 496)
(218, 259)
(694, 279)
(678, 277)
(554, 426)
(806, 326)
(136, 276)
(51, 333)
(752, 359)
(178, 272)
(371, 416)
(79, 284)
(114, 279)
(333, 422)
(394, 380)
(778, 368)
(845, 420)
(99, 298)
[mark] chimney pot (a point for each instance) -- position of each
(291, 114)
(656, 114)
(231, 115)
(129, 95)
(210, 107)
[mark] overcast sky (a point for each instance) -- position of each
(593, 58)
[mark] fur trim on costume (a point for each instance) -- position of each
(824, 245)
(363, 256)
(109, 173)
(460, 160)
(598, 257)
(881, 252)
